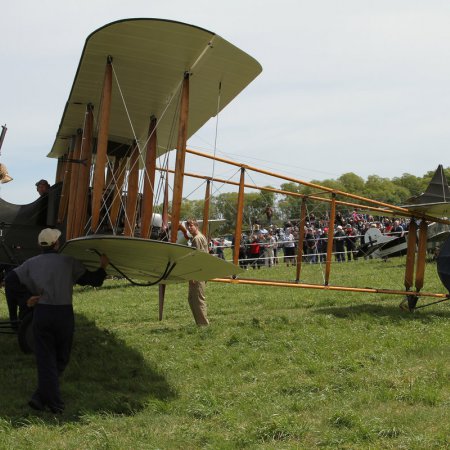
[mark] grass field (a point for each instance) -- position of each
(277, 369)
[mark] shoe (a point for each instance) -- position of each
(36, 404)
(56, 409)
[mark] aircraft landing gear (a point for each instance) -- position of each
(409, 303)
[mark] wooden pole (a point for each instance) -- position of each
(165, 225)
(66, 180)
(162, 293)
(301, 239)
(410, 254)
(180, 160)
(84, 174)
(330, 239)
(98, 183)
(206, 210)
(71, 198)
(132, 194)
(165, 207)
(421, 255)
(149, 181)
(239, 219)
(321, 287)
(61, 168)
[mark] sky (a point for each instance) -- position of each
(351, 86)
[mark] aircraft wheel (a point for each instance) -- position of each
(25, 334)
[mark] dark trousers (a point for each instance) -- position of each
(53, 328)
(16, 297)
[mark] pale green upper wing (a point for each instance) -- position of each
(150, 57)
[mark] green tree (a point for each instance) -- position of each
(415, 185)
(384, 190)
(226, 204)
(192, 208)
(352, 183)
(288, 205)
(254, 208)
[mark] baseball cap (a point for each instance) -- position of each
(45, 182)
(48, 236)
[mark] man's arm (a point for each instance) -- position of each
(182, 228)
(96, 277)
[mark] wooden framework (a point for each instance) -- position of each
(181, 156)
(98, 183)
(325, 287)
(149, 181)
(239, 218)
(301, 239)
(372, 205)
(132, 195)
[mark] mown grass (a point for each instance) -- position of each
(277, 368)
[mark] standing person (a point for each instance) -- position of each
(196, 296)
(219, 248)
(311, 246)
(275, 248)
(254, 251)
(271, 243)
(269, 214)
(49, 279)
(397, 230)
(339, 241)
(350, 242)
(322, 244)
(289, 247)
(243, 252)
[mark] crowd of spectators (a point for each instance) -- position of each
(267, 244)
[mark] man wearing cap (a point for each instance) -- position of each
(339, 240)
(49, 280)
(42, 187)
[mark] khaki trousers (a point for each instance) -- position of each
(197, 302)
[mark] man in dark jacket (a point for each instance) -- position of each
(350, 242)
(339, 242)
(49, 280)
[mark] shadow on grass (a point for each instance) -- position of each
(104, 376)
(391, 311)
(119, 283)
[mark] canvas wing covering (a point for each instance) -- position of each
(150, 58)
(147, 260)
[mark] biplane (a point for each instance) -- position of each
(375, 244)
(142, 88)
